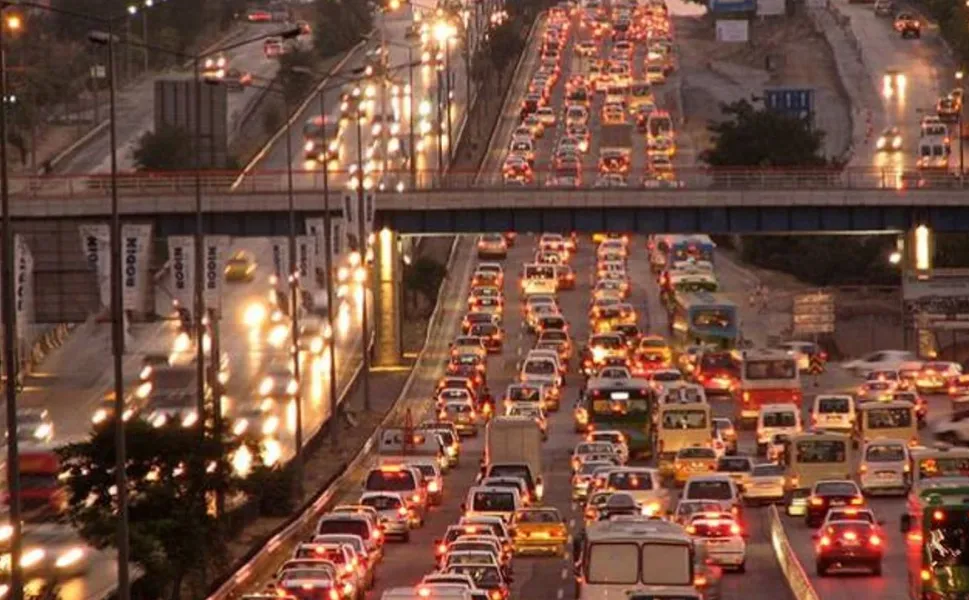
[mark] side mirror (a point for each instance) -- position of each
(905, 524)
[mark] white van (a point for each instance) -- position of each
(833, 411)
(776, 418)
(884, 467)
(492, 501)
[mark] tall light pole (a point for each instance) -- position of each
(362, 248)
(10, 331)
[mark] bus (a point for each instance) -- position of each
(639, 553)
(936, 528)
(893, 420)
(810, 457)
(682, 426)
(702, 317)
(320, 139)
(686, 247)
(687, 280)
(767, 377)
(624, 405)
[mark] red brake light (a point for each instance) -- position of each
(735, 529)
(376, 534)
(402, 511)
(416, 497)
(825, 541)
(875, 540)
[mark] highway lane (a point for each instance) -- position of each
(400, 51)
(133, 120)
(928, 72)
(76, 376)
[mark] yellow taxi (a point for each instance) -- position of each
(487, 279)
(469, 344)
(693, 460)
(656, 344)
(610, 288)
(241, 267)
(540, 531)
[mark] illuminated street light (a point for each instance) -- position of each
(923, 258)
(895, 257)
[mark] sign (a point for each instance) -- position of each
(732, 30)
(280, 253)
(316, 227)
(732, 6)
(216, 248)
(24, 285)
(135, 246)
(940, 301)
(96, 248)
(797, 102)
(351, 215)
(99, 72)
(306, 261)
(771, 8)
(813, 313)
(181, 255)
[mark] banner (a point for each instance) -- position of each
(181, 254)
(135, 252)
(280, 254)
(24, 285)
(336, 238)
(216, 254)
(96, 248)
(306, 261)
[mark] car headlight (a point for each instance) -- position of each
(881, 143)
(897, 142)
(240, 427)
(270, 426)
(69, 558)
(266, 386)
(316, 345)
(6, 532)
(159, 420)
(190, 419)
(292, 387)
(145, 372)
(32, 557)
(100, 416)
(308, 146)
(43, 431)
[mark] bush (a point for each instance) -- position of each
(825, 260)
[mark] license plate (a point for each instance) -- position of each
(886, 475)
(830, 418)
(837, 503)
(850, 542)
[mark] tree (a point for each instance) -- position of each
(167, 149)
(172, 483)
(504, 45)
(757, 137)
(295, 84)
(424, 276)
(340, 24)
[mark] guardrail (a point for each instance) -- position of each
(219, 182)
(297, 527)
(791, 567)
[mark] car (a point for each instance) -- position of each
(890, 140)
(583, 477)
(716, 487)
(728, 433)
(738, 467)
(908, 25)
(691, 461)
(881, 360)
(766, 483)
(539, 530)
(279, 382)
(884, 8)
(34, 425)
(847, 544)
(730, 548)
(935, 376)
(863, 515)
(404, 480)
(829, 493)
(833, 411)
(492, 246)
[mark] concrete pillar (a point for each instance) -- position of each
(388, 305)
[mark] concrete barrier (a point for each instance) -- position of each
(298, 527)
(791, 567)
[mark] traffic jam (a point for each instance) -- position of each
(600, 67)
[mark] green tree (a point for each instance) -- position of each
(296, 85)
(757, 137)
(340, 24)
(424, 276)
(172, 484)
(505, 44)
(167, 149)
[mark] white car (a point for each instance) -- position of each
(883, 360)
(954, 428)
(844, 513)
(765, 484)
(614, 437)
(884, 467)
(589, 449)
(833, 411)
(773, 419)
(546, 114)
(723, 537)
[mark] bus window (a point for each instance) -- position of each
(613, 563)
(665, 564)
(947, 541)
(821, 451)
(622, 407)
(712, 317)
(770, 369)
(684, 419)
(889, 418)
(931, 468)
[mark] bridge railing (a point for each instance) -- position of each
(219, 182)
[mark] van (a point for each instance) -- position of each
(833, 411)
(884, 467)
(492, 501)
(776, 418)
(719, 487)
(428, 592)
(894, 420)
(402, 479)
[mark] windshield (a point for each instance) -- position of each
(821, 451)
(524, 394)
(521, 472)
(347, 526)
(834, 405)
(608, 342)
(718, 360)
(382, 502)
(684, 419)
(947, 541)
(734, 465)
(613, 563)
(668, 376)
(889, 418)
(539, 272)
(931, 468)
(630, 481)
(708, 490)
(712, 318)
(770, 369)
(540, 367)
(483, 576)
(703, 453)
(780, 419)
(885, 453)
(768, 471)
(390, 481)
(836, 488)
(493, 501)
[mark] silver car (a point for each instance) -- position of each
(395, 516)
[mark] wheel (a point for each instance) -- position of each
(404, 538)
(821, 569)
(742, 567)
(876, 569)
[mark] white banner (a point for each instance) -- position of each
(135, 252)
(96, 248)
(306, 261)
(24, 282)
(351, 211)
(216, 255)
(280, 254)
(181, 254)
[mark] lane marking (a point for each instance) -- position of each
(571, 522)
(560, 594)
(565, 572)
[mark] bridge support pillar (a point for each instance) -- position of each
(917, 249)
(388, 300)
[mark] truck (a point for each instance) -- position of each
(513, 447)
(42, 495)
(618, 137)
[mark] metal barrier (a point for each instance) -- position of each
(793, 571)
(297, 527)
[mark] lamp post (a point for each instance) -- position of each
(962, 169)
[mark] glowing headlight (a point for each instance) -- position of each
(308, 146)
(159, 420)
(190, 419)
(145, 372)
(881, 143)
(6, 531)
(316, 346)
(897, 142)
(127, 414)
(266, 386)
(182, 343)
(292, 387)
(43, 431)
(240, 427)
(334, 145)
(100, 416)
(143, 390)
(69, 558)
(32, 557)
(270, 426)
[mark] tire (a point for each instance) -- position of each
(876, 569)
(821, 569)
(742, 567)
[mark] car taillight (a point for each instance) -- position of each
(334, 595)
(376, 535)
(863, 469)
(825, 541)
(735, 529)
(402, 511)
(817, 501)
(875, 540)
(433, 486)
(495, 595)
(857, 501)
(441, 548)
(416, 498)
(700, 581)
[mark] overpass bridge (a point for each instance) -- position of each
(714, 201)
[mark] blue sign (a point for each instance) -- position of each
(792, 101)
(732, 6)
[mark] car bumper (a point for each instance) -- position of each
(396, 528)
(538, 546)
(883, 481)
(726, 558)
(466, 429)
(765, 492)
